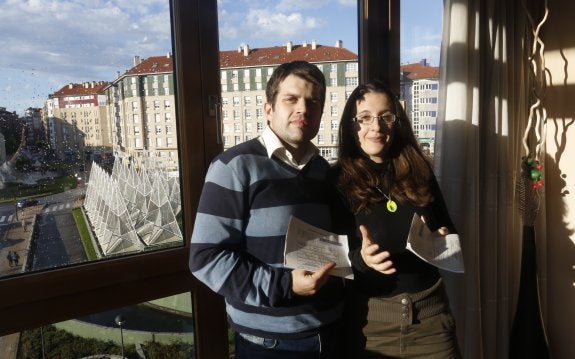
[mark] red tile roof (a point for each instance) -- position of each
(154, 64)
(86, 88)
(229, 59)
(419, 71)
(279, 54)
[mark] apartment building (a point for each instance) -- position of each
(244, 74)
(419, 88)
(33, 123)
(75, 121)
(141, 113)
(137, 110)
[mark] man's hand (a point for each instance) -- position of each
(308, 283)
(371, 257)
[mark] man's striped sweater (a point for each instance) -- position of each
(238, 240)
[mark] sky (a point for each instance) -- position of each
(47, 44)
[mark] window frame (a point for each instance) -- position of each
(64, 293)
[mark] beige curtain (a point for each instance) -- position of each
(484, 109)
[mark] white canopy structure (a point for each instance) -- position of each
(131, 210)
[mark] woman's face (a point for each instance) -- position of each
(375, 138)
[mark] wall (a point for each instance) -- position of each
(556, 222)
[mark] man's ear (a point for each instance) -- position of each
(268, 110)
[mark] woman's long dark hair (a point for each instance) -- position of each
(407, 171)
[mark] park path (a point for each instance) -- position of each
(16, 237)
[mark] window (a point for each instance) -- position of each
(96, 285)
(351, 81)
(334, 111)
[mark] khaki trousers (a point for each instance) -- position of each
(417, 325)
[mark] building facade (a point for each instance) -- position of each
(244, 75)
(134, 116)
(419, 89)
(141, 113)
(75, 124)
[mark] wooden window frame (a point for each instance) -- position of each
(39, 298)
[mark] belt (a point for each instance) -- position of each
(409, 308)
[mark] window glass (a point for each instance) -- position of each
(421, 28)
(256, 36)
(79, 181)
(161, 328)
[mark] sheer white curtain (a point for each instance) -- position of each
(484, 102)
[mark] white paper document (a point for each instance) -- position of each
(308, 247)
(444, 252)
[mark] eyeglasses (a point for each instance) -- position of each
(367, 120)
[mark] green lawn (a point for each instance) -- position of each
(12, 191)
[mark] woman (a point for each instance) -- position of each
(397, 302)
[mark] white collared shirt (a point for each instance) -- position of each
(275, 147)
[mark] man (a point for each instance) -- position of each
(237, 246)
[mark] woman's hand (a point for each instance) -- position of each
(440, 232)
(374, 259)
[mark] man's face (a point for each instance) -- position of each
(296, 114)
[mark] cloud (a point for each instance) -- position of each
(265, 25)
(54, 42)
(416, 53)
(66, 35)
(271, 24)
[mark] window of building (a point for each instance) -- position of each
(334, 111)
(351, 81)
(351, 66)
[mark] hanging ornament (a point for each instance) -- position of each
(534, 168)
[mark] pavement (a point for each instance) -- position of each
(16, 237)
